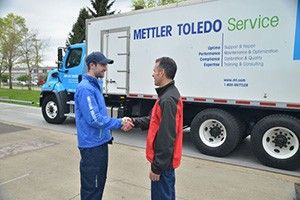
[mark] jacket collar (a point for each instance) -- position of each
(161, 90)
(94, 81)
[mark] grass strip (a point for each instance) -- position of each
(23, 95)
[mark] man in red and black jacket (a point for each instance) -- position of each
(164, 140)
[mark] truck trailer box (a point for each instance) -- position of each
(227, 50)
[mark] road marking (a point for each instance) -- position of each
(14, 179)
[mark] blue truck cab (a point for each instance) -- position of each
(57, 94)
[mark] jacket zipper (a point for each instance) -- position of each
(100, 135)
(96, 181)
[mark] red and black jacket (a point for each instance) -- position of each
(164, 140)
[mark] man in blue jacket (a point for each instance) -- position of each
(93, 127)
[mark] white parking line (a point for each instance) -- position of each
(14, 179)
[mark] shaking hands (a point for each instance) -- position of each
(127, 124)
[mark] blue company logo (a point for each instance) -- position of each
(297, 34)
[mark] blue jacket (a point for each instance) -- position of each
(92, 123)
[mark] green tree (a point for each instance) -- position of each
(101, 8)
(141, 4)
(138, 4)
(31, 53)
(2, 59)
(13, 30)
(165, 2)
(4, 77)
(24, 78)
(38, 48)
(77, 34)
(3, 65)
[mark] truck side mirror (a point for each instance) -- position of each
(60, 54)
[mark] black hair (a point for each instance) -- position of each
(169, 65)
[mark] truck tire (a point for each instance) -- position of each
(51, 110)
(216, 132)
(275, 141)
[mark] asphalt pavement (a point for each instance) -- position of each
(37, 163)
(241, 156)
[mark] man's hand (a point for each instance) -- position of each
(127, 124)
(153, 176)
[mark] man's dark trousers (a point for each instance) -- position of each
(164, 189)
(93, 170)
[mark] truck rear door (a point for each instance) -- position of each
(115, 46)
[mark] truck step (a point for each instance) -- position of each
(70, 115)
(71, 102)
(112, 111)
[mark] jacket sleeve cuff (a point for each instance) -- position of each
(155, 169)
(120, 122)
(134, 121)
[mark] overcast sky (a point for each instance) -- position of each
(52, 19)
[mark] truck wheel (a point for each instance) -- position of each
(51, 110)
(215, 132)
(275, 141)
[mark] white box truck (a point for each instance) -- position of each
(238, 70)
